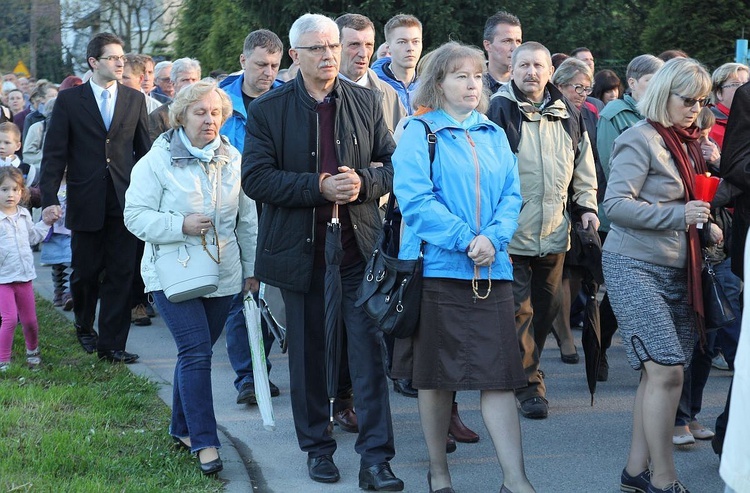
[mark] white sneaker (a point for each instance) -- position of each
(4, 366)
(719, 362)
(33, 359)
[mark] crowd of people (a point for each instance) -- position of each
(496, 162)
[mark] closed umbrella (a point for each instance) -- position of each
(332, 295)
(258, 354)
(272, 309)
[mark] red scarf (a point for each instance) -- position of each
(675, 137)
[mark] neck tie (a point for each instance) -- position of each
(105, 109)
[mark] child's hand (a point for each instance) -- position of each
(51, 214)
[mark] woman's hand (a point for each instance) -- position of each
(482, 251)
(697, 211)
(196, 224)
(710, 151)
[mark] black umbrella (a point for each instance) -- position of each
(591, 336)
(586, 253)
(332, 294)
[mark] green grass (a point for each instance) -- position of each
(80, 425)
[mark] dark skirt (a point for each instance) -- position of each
(461, 344)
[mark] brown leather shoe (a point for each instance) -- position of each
(458, 429)
(347, 420)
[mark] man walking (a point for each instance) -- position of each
(260, 60)
(554, 154)
(309, 145)
(97, 132)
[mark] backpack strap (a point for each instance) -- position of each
(431, 142)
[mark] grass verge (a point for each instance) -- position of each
(80, 425)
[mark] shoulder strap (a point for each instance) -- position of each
(431, 142)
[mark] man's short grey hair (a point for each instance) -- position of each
(311, 23)
(182, 65)
(568, 69)
(643, 65)
(161, 66)
(501, 17)
(683, 76)
(530, 46)
(262, 38)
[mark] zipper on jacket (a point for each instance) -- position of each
(476, 181)
(317, 169)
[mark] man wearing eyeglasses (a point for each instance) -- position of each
(164, 90)
(97, 132)
(309, 146)
(555, 159)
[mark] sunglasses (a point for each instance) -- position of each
(690, 102)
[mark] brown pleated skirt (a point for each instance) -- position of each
(462, 344)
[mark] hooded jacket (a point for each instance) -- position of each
(438, 201)
(234, 128)
(555, 165)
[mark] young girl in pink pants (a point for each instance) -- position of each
(17, 234)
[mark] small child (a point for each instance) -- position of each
(17, 234)
(10, 143)
(57, 254)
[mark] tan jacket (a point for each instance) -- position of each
(645, 200)
(393, 110)
(547, 166)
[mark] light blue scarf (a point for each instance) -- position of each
(205, 154)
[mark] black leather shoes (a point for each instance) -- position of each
(403, 387)
(322, 469)
(379, 478)
(118, 356)
(87, 338)
(347, 420)
(246, 394)
(212, 467)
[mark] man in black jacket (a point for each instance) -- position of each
(97, 132)
(309, 145)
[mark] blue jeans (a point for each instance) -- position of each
(238, 345)
(195, 325)
(728, 337)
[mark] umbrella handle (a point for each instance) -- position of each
(335, 214)
(330, 404)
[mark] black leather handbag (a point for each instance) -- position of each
(391, 290)
(717, 310)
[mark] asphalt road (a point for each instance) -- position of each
(579, 448)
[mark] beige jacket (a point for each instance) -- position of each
(645, 200)
(393, 110)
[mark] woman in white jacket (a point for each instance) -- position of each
(172, 201)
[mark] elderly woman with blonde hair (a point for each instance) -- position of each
(652, 261)
(186, 190)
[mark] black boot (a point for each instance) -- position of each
(59, 281)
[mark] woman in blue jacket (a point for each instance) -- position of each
(464, 206)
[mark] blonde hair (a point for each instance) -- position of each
(706, 119)
(683, 76)
(194, 93)
(441, 62)
(722, 74)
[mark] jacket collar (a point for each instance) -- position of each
(438, 120)
(553, 105)
(22, 212)
(308, 100)
(181, 157)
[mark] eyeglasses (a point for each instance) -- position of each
(733, 84)
(582, 90)
(113, 58)
(690, 102)
(320, 49)
(164, 80)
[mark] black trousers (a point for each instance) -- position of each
(103, 267)
(305, 314)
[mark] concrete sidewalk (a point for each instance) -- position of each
(578, 448)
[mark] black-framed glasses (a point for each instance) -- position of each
(113, 58)
(582, 90)
(690, 102)
(320, 49)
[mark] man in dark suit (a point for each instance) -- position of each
(98, 131)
